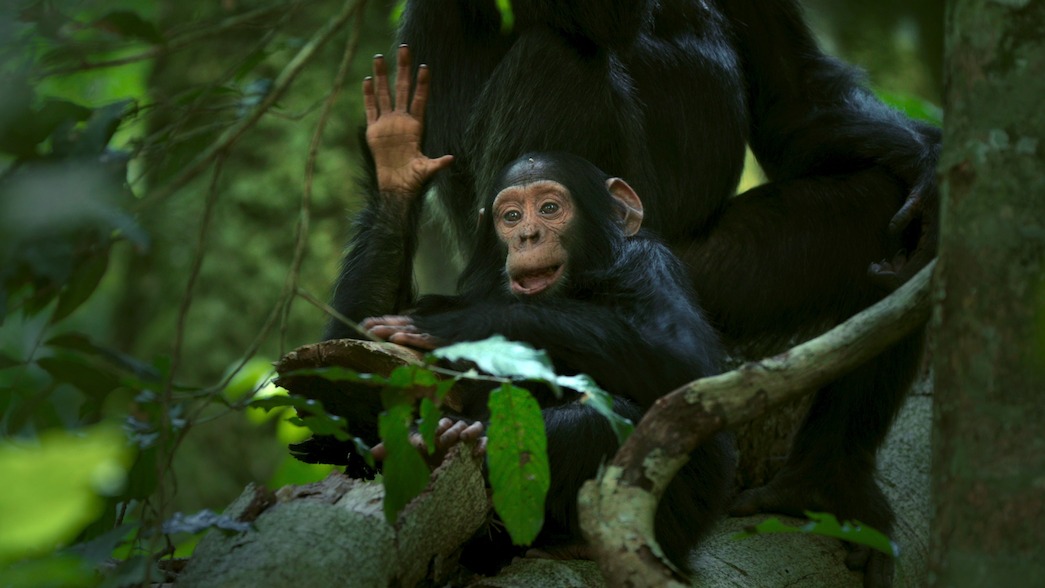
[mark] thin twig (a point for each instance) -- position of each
(163, 464)
(330, 310)
(283, 81)
(178, 42)
(277, 310)
(301, 239)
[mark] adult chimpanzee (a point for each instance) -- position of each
(559, 262)
(666, 93)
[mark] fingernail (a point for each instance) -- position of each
(378, 56)
(402, 45)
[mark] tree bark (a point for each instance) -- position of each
(617, 508)
(989, 453)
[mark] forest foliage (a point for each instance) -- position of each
(174, 181)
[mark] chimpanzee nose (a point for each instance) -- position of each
(530, 232)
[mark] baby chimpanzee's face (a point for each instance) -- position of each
(531, 219)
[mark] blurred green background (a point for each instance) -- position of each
(130, 311)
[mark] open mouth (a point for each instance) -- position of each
(528, 283)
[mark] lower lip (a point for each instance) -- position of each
(519, 290)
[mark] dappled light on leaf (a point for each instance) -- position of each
(60, 484)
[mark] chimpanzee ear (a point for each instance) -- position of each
(630, 209)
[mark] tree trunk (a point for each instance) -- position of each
(989, 452)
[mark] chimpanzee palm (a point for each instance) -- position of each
(560, 262)
(666, 94)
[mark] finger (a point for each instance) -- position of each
(472, 432)
(480, 447)
(388, 319)
(434, 165)
(417, 108)
(384, 101)
(418, 442)
(452, 435)
(387, 333)
(907, 212)
(403, 78)
(369, 101)
(379, 452)
(883, 276)
(422, 341)
(444, 424)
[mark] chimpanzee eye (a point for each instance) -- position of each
(512, 216)
(549, 208)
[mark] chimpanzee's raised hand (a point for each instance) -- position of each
(394, 133)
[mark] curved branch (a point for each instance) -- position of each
(618, 507)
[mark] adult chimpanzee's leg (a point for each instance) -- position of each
(786, 256)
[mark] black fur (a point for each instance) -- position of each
(666, 94)
(626, 317)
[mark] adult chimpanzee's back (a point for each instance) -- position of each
(666, 94)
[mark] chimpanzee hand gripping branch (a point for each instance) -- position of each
(561, 263)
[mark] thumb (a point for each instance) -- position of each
(439, 163)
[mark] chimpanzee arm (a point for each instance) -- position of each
(377, 275)
(812, 116)
(595, 340)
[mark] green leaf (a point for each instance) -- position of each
(397, 13)
(913, 106)
(129, 24)
(6, 362)
(80, 372)
(405, 471)
(142, 480)
(443, 388)
(430, 415)
(517, 454)
(507, 16)
(82, 283)
(56, 569)
(96, 551)
(284, 400)
(601, 401)
(55, 487)
(83, 344)
(22, 132)
(100, 128)
(250, 62)
(501, 357)
(401, 377)
(827, 525)
(324, 425)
